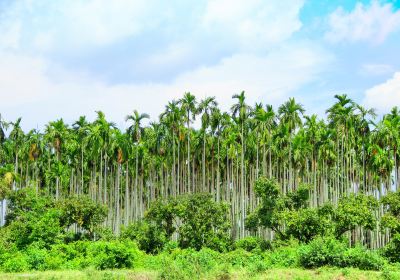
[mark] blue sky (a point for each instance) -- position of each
(68, 58)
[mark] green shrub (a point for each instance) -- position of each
(321, 252)
(16, 263)
(392, 250)
(237, 258)
(36, 257)
(332, 252)
(149, 237)
(192, 261)
(110, 255)
(252, 243)
(284, 256)
(362, 258)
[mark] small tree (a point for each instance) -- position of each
(82, 211)
(198, 220)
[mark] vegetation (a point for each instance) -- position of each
(246, 191)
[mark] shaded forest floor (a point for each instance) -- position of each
(271, 274)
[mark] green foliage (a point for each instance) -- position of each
(110, 255)
(204, 222)
(27, 201)
(305, 223)
(322, 252)
(355, 210)
(149, 237)
(82, 211)
(362, 258)
(392, 250)
(36, 218)
(16, 263)
(252, 243)
(332, 252)
(287, 214)
(391, 219)
(30, 227)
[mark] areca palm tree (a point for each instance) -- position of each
(136, 131)
(56, 133)
(188, 103)
(240, 111)
(81, 126)
(290, 113)
(172, 118)
(206, 106)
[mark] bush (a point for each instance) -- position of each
(149, 237)
(321, 252)
(252, 243)
(204, 222)
(285, 256)
(36, 257)
(238, 258)
(392, 250)
(73, 255)
(362, 258)
(110, 255)
(332, 252)
(16, 263)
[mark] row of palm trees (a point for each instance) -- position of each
(345, 152)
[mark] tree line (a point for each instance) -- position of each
(347, 152)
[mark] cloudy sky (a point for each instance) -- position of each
(63, 59)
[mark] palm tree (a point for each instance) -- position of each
(188, 103)
(105, 129)
(206, 106)
(56, 134)
(240, 111)
(364, 129)
(391, 128)
(81, 126)
(136, 132)
(290, 113)
(265, 119)
(172, 118)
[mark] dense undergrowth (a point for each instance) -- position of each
(173, 261)
(176, 263)
(187, 237)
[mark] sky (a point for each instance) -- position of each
(63, 59)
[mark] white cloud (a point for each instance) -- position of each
(372, 23)
(30, 93)
(384, 96)
(253, 23)
(78, 24)
(376, 69)
(10, 35)
(247, 40)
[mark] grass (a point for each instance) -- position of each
(271, 274)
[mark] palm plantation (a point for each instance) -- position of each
(348, 152)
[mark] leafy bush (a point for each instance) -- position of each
(237, 258)
(284, 256)
(204, 222)
(82, 211)
(253, 243)
(149, 237)
(392, 250)
(362, 258)
(110, 255)
(321, 252)
(17, 263)
(332, 252)
(36, 257)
